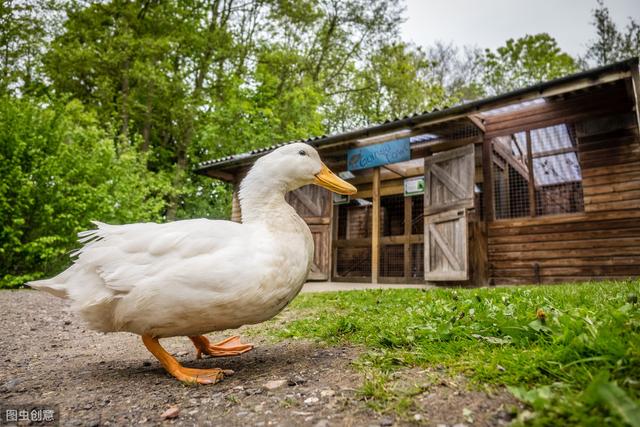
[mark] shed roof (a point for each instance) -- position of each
(556, 86)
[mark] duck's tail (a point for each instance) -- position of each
(51, 286)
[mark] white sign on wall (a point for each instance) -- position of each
(414, 186)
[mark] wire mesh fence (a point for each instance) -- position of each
(536, 173)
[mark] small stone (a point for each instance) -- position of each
(239, 387)
(311, 400)
(11, 384)
(242, 414)
(88, 406)
(501, 368)
(417, 417)
(442, 425)
(386, 421)
(460, 425)
(272, 385)
(297, 380)
(252, 391)
(170, 413)
(327, 393)
(322, 423)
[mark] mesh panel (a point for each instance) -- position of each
(354, 262)
(392, 261)
(510, 188)
(392, 215)
(417, 260)
(557, 178)
(417, 215)
(354, 220)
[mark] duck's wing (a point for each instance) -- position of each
(172, 254)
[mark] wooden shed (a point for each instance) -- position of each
(538, 185)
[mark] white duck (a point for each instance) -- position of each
(187, 278)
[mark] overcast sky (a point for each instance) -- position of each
(489, 23)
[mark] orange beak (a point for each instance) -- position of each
(329, 180)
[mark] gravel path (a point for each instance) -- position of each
(49, 358)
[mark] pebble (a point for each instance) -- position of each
(417, 417)
(297, 380)
(322, 423)
(172, 412)
(272, 385)
(11, 384)
(311, 400)
(242, 414)
(384, 422)
(460, 425)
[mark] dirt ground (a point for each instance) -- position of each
(48, 357)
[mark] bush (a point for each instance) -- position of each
(60, 169)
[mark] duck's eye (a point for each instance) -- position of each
(302, 153)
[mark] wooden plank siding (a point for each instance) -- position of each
(603, 242)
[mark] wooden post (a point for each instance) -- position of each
(532, 183)
(635, 84)
(375, 227)
(335, 220)
(487, 179)
(407, 236)
(236, 215)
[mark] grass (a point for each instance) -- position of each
(570, 352)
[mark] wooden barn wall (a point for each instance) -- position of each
(603, 241)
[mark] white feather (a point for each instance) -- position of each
(196, 276)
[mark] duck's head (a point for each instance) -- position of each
(298, 164)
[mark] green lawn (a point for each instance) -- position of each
(570, 352)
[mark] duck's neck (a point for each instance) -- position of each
(262, 201)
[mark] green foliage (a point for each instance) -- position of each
(525, 61)
(59, 171)
(571, 352)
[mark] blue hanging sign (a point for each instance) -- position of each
(379, 154)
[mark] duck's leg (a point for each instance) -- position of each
(202, 376)
(228, 347)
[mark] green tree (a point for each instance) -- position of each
(394, 81)
(611, 44)
(525, 61)
(59, 171)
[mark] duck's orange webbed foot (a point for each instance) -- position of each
(188, 375)
(228, 347)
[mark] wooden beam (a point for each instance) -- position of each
(224, 176)
(635, 80)
(511, 160)
(532, 182)
(407, 234)
(555, 152)
(375, 227)
(487, 179)
(477, 121)
(394, 169)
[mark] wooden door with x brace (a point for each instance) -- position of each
(449, 185)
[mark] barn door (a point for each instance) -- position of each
(313, 204)
(449, 183)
